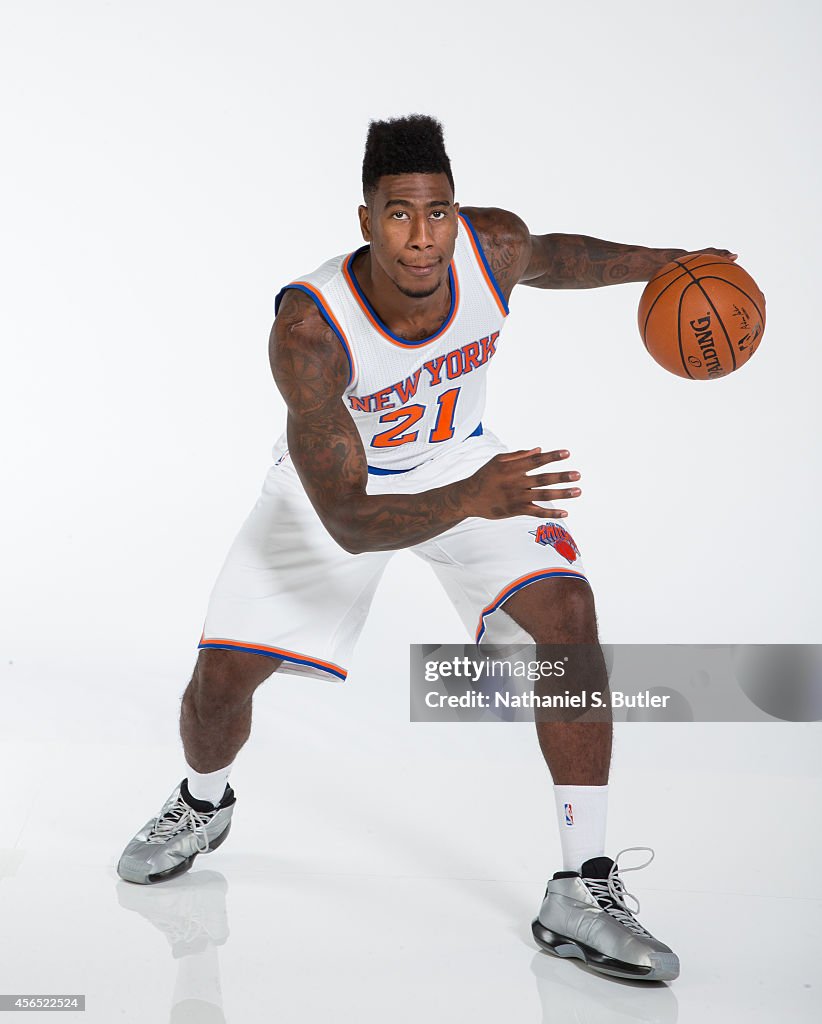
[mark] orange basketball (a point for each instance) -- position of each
(702, 316)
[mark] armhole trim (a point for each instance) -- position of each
(485, 269)
(327, 315)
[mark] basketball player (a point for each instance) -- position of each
(381, 356)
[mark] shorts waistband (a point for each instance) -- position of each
(376, 471)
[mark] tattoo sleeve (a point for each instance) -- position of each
(579, 261)
(311, 373)
(506, 243)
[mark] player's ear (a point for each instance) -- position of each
(365, 222)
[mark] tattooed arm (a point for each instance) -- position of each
(311, 372)
(562, 261)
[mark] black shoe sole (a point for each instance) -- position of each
(184, 865)
(562, 946)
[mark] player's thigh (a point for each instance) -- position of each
(287, 592)
(510, 579)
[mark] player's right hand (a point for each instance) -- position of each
(508, 486)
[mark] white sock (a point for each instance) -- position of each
(582, 812)
(210, 786)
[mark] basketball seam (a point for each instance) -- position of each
(679, 328)
(724, 280)
(665, 289)
(708, 299)
(679, 277)
(693, 256)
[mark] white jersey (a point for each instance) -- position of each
(413, 399)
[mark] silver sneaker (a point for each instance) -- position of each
(585, 915)
(167, 845)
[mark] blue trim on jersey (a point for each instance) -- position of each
(376, 471)
(373, 312)
(488, 270)
(299, 287)
(271, 654)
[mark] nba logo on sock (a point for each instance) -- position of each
(569, 814)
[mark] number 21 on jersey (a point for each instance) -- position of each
(404, 419)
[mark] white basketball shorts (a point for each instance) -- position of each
(288, 591)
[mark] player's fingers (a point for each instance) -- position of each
(724, 252)
(510, 456)
(546, 513)
(548, 495)
(546, 479)
(545, 457)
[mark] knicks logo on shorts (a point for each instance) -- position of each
(559, 539)
(569, 814)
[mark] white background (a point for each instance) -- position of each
(168, 166)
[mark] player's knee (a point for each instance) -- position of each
(569, 616)
(224, 681)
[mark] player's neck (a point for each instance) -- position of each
(402, 314)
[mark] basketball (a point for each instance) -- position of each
(702, 316)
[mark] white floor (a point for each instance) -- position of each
(381, 871)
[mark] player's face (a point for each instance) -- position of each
(411, 223)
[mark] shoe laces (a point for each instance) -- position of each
(612, 891)
(178, 818)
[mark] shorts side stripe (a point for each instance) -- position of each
(518, 584)
(275, 652)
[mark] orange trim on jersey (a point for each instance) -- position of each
(492, 287)
(332, 320)
(355, 291)
(293, 656)
(321, 300)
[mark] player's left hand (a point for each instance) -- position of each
(714, 252)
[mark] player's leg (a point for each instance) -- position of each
(578, 754)
(287, 598)
(215, 722)
(514, 581)
(215, 716)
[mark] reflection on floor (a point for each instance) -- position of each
(395, 881)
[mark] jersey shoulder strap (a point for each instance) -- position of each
(313, 285)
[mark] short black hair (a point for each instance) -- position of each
(404, 145)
